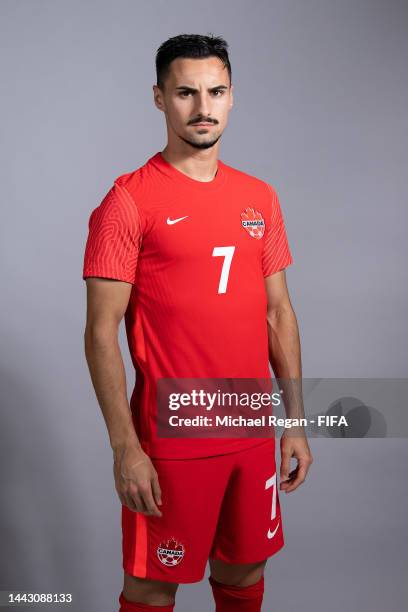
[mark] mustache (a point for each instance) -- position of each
(203, 120)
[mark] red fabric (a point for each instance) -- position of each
(132, 606)
(196, 254)
(230, 598)
(225, 507)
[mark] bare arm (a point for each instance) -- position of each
(106, 304)
(283, 332)
(285, 359)
(135, 477)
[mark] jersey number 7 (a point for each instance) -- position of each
(226, 252)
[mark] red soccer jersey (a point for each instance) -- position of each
(196, 254)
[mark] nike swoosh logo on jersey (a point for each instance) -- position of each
(172, 221)
(272, 533)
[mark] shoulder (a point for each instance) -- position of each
(126, 190)
(244, 180)
(142, 186)
(132, 181)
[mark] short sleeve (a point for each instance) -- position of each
(114, 238)
(276, 254)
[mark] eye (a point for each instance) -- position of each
(184, 93)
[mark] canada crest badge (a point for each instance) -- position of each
(253, 222)
(170, 552)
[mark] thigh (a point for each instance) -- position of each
(175, 547)
(250, 527)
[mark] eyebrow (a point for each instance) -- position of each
(187, 88)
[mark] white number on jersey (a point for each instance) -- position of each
(226, 252)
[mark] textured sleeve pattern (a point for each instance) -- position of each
(276, 254)
(114, 238)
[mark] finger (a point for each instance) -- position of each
(149, 501)
(122, 498)
(138, 501)
(140, 498)
(290, 479)
(156, 490)
(285, 466)
(129, 502)
(300, 477)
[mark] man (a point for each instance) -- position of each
(193, 253)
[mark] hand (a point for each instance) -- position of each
(136, 481)
(294, 446)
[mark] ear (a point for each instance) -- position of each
(158, 98)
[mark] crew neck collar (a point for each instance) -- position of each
(164, 166)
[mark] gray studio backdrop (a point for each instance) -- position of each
(320, 112)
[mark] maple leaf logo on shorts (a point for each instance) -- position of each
(170, 552)
(253, 222)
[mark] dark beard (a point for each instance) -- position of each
(201, 145)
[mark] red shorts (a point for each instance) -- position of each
(223, 507)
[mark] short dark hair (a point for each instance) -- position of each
(192, 46)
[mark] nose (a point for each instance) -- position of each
(203, 105)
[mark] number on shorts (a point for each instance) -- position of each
(271, 482)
